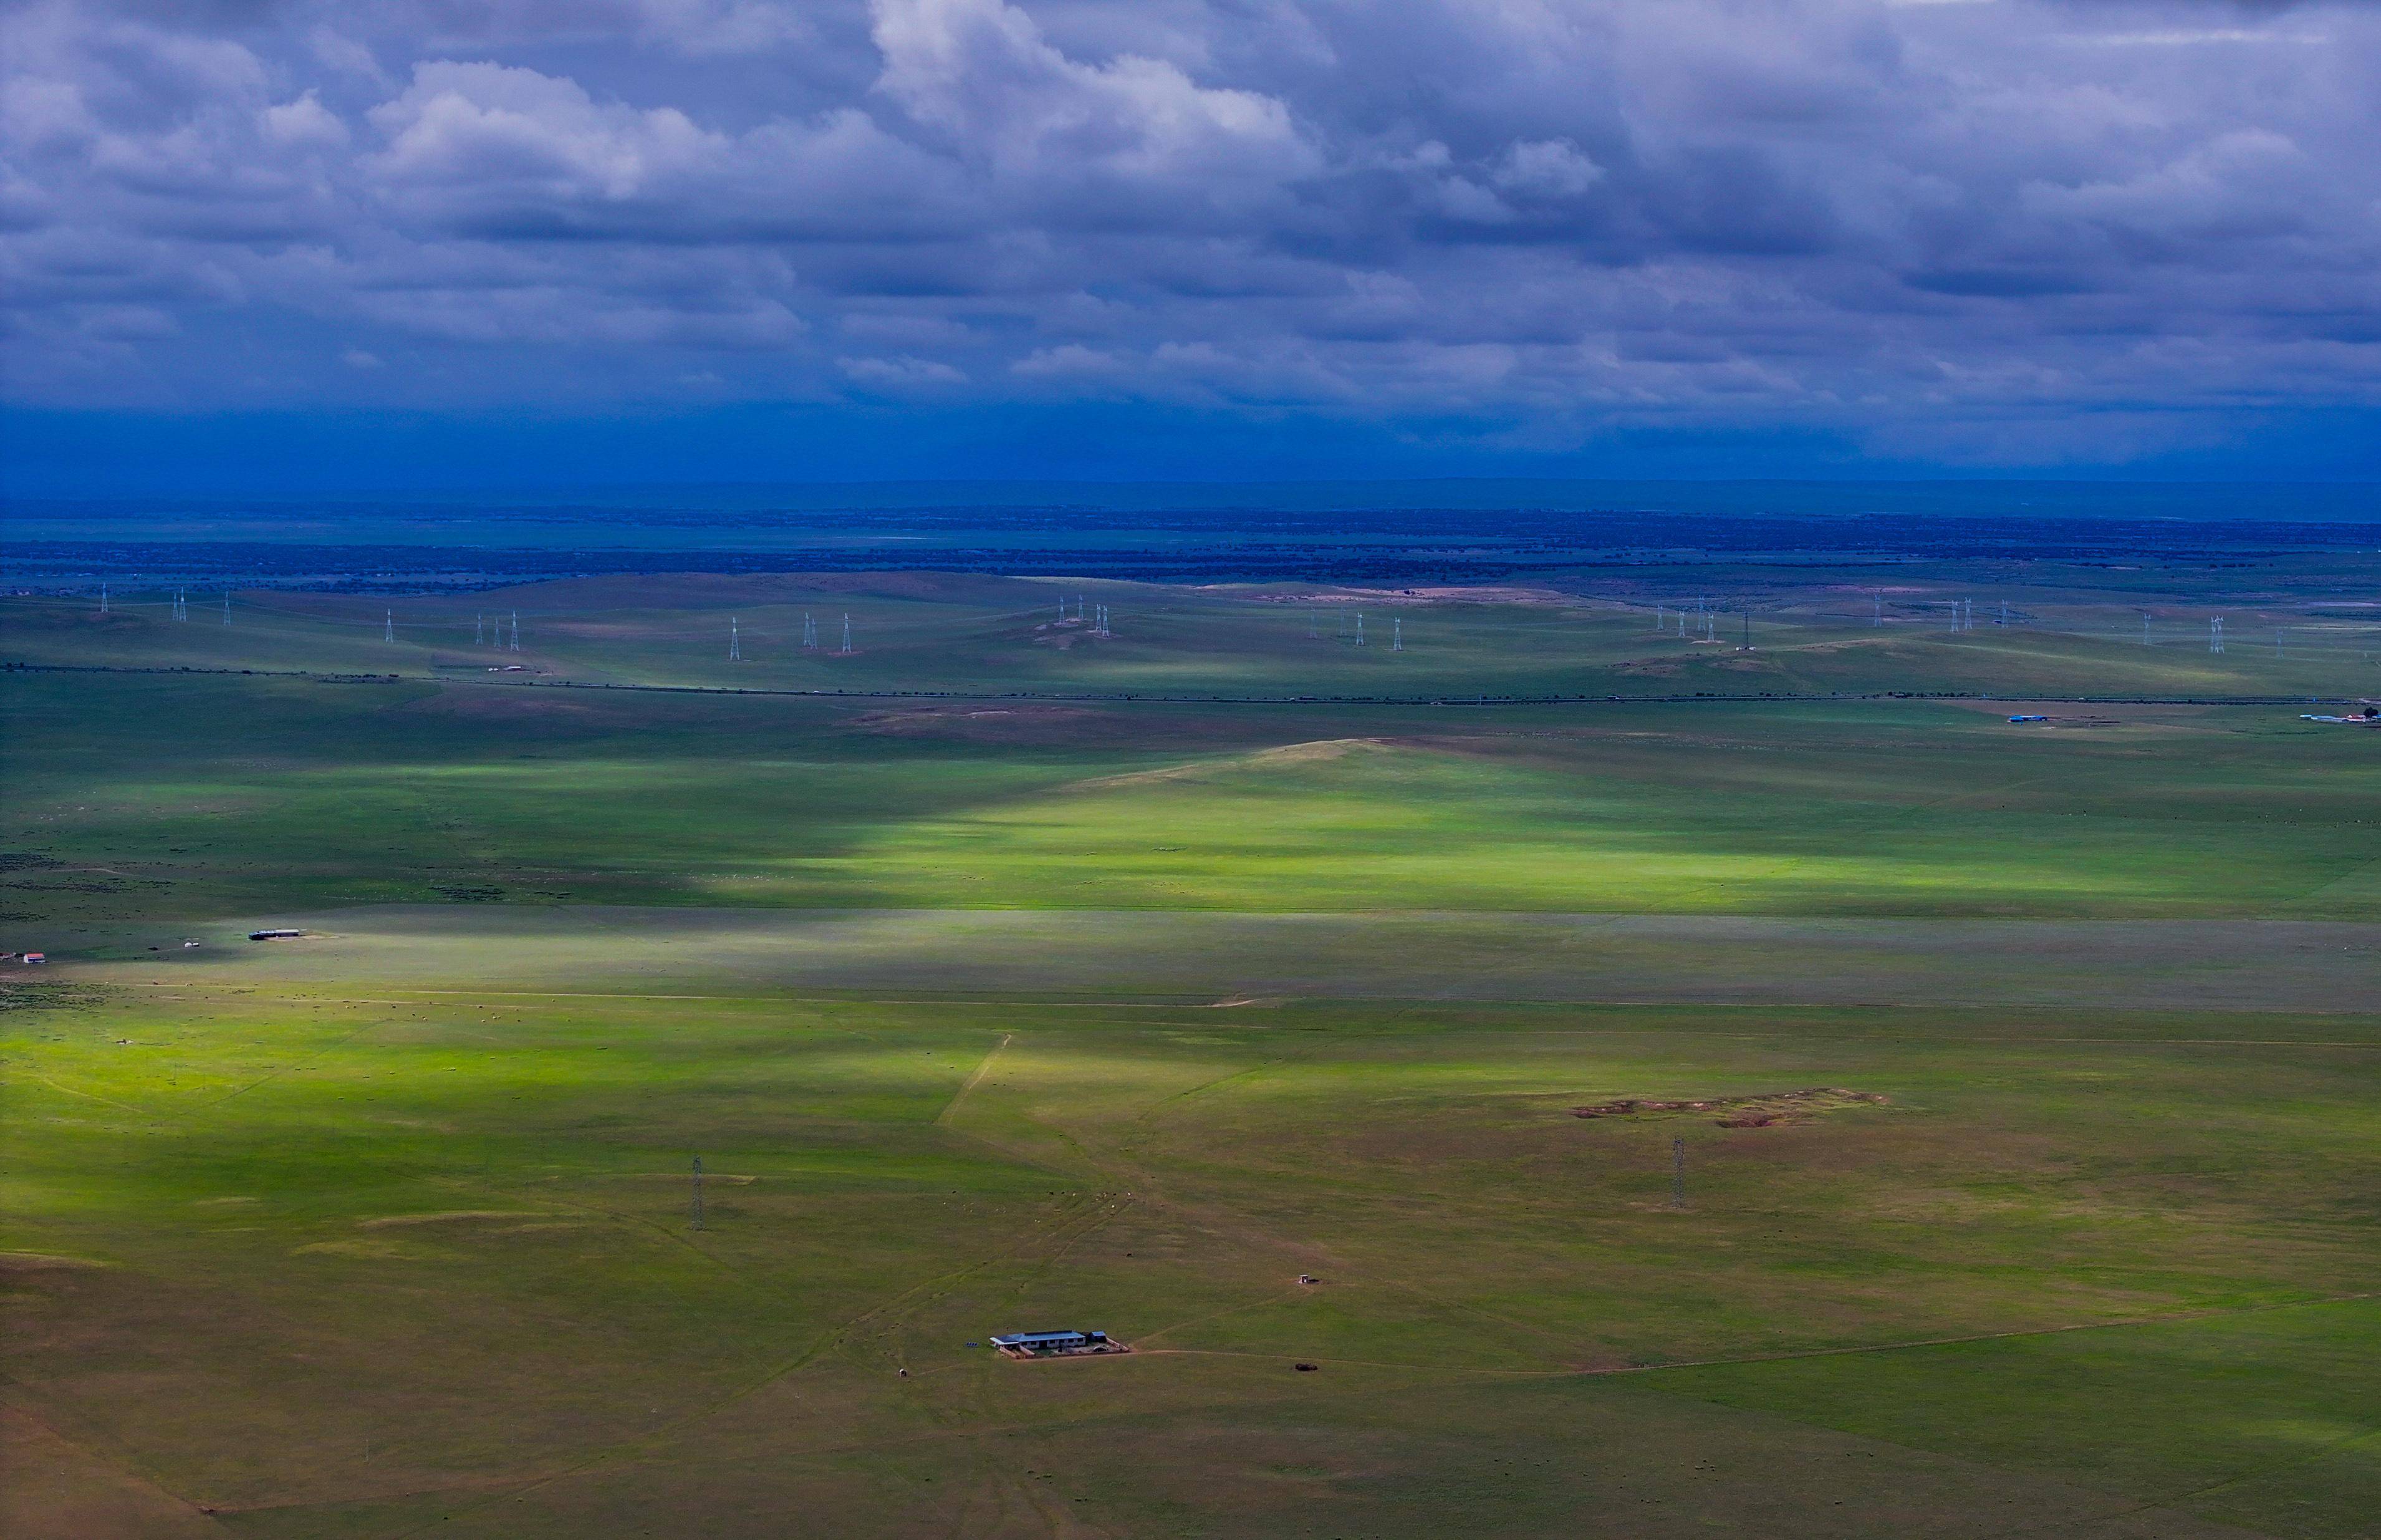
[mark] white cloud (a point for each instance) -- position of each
(1069, 360)
(1132, 139)
(486, 124)
(304, 124)
(1548, 168)
(901, 372)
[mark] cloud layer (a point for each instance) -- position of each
(2007, 230)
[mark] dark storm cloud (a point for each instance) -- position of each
(1974, 221)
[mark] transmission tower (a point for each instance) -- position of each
(734, 644)
(1360, 627)
(227, 610)
(810, 632)
(846, 633)
(1677, 1173)
(1879, 618)
(102, 598)
(1314, 626)
(516, 630)
(1396, 634)
(698, 1192)
(2145, 628)
(389, 625)
(479, 630)
(2214, 633)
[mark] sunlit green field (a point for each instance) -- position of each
(992, 1015)
(164, 797)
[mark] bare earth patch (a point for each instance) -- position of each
(1315, 752)
(1769, 1109)
(43, 1262)
(1002, 724)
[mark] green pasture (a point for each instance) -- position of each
(1001, 1013)
(330, 1263)
(172, 797)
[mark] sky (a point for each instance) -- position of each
(259, 244)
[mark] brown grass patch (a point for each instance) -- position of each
(1316, 751)
(450, 1217)
(45, 1262)
(981, 724)
(1761, 1110)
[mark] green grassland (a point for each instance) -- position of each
(989, 1015)
(342, 1265)
(178, 798)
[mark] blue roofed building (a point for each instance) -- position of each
(1055, 1344)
